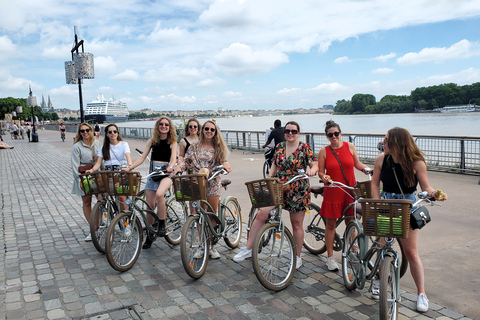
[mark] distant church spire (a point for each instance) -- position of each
(43, 105)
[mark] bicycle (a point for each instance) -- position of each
(198, 231)
(124, 237)
(274, 249)
(268, 161)
(387, 219)
(314, 240)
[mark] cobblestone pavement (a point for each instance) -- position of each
(47, 271)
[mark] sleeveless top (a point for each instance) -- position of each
(388, 177)
(161, 151)
(187, 146)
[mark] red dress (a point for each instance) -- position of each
(335, 199)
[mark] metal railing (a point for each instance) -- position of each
(446, 153)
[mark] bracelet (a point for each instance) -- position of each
(432, 194)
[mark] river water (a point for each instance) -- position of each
(445, 124)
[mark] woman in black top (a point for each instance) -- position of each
(163, 145)
(192, 132)
(403, 155)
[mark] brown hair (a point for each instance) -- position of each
(187, 132)
(292, 123)
(172, 132)
(221, 149)
(331, 124)
(106, 141)
(404, 149)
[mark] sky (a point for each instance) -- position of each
(237, 54)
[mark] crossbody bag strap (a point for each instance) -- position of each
(341, 167)
(396, 178)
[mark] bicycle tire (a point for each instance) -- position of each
(352, 268)
(99, 221)
(314, 226)
(176, 215)
(233, 222)
(194, 240)
(123, 246)
(388, 284)
(398, 247)
(274, 258)
(266, 169)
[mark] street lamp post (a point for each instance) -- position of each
(81, 67)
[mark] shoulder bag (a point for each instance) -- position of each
(420, 216)
(352, 192)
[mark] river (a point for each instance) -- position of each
(453, 124)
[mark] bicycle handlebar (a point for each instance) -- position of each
(424, 197)
(217, 171)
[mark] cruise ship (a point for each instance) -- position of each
(102, 110)
(463, 108)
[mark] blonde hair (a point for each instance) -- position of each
(172, 132)
(219, 145)
(78, 136)
(403, 149)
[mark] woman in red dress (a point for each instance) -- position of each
(335, 199)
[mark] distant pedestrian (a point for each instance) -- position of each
(14, 129)
(22, 131)
(97, 130)
(28, 134)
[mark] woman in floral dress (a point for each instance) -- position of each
(291, 156)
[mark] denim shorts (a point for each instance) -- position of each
(152, 185)
(399, 196)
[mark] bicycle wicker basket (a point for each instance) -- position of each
(265, 192)
(190, 187)
(93, 183)
(363, 189)
(386, 218)
(122, 183)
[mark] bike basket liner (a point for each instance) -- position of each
(123, 183)
(265, 192)
(386, 218)
(190, 187)
(364, 188)
(93, 183)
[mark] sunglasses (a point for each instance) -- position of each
(113, 131)
(207, 128)
(288, 131)
(162, 124)
(330, 134)
(192, 127)
(84, 130)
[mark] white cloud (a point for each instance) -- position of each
(328, 87)
(386, 57)
(58, 52)
(104, 65)
(288, 90)
(173, 74)
(382, 71)
(228, 14)
(342, 59)
(159, 34)
(173, 97)
(460, 50)
(146, 99)
(127, 75)
(211, 83)
(240, 60)
(7, 48)
(231, 94)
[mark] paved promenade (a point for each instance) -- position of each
(47, 271)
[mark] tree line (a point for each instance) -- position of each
(8, 105)
(424, 98)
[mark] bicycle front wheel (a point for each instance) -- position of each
(388, 289)
(175, 219)
(352, 268)
(266, 169)
(233, 222)
(194, 247)
(124, 241)
(314, 226)
(274, 257)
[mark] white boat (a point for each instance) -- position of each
(464, 108)
(102, 110)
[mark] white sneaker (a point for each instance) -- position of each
(332, 264)
(299, 262)
(422, 303)
(243, 254)
(214, 254)
(198, 254)
(375, 290)
(88, 238)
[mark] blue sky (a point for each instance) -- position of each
(242, 54)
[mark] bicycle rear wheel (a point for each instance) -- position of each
(175, 219)
(124, 241)
(266, 169)
(314, 226)
(233, 222)
(352, 268)
(274, 257)
(388, 289)
(100, 220)
(194, 247)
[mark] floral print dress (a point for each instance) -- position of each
(297, 198)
